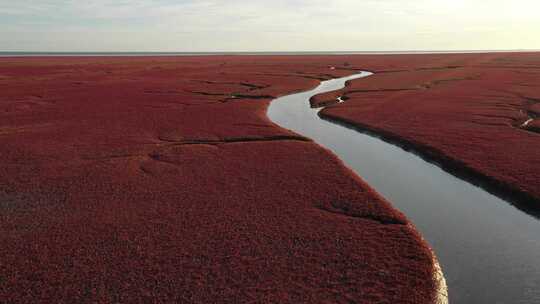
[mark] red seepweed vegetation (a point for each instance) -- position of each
(160, 179)
(475, 114)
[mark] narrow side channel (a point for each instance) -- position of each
(487, 248)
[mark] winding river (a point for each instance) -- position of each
(489, 250)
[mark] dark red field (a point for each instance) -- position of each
(465, 111)
(143, 180)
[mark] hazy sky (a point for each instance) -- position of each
(273, 25)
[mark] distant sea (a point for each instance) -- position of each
(52, 54)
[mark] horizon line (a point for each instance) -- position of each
(116, 53)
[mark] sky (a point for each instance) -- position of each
(274, 25)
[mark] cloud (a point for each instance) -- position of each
(264, 24)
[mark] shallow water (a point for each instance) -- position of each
(489, 250)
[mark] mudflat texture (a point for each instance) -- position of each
(476, 114)
(161, 180)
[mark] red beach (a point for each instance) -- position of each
(160, 179)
